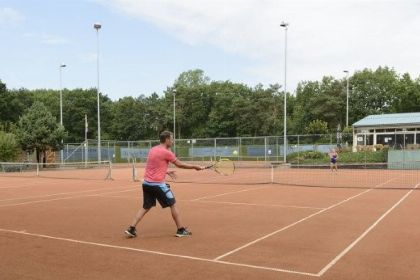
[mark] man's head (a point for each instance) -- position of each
(166, 138)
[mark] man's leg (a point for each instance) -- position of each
(176, 216)
(181, 231)
(139, 216)
(131, 231)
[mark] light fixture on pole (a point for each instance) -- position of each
(62, 65)
(285, 25)
(347, 98)
(98, 26)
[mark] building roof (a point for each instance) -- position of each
(389, 120)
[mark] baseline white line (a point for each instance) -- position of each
(64, 193)
(156, 252)
(298, 222)
(255, 204)
(32, 184)
(227, 193)
(65, 198)
(366, 232)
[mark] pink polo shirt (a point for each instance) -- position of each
(157, 164)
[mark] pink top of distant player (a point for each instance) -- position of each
(157, 164)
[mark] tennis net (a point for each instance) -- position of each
(396, 175)
(401, 175)
(74, 170)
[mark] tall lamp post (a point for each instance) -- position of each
(62, 65)
(98, 26)
(285, 26)
(174, 105)
(347, 97)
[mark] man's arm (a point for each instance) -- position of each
(183, 165)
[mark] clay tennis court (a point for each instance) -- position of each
(242, 229)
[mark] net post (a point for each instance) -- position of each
(134, 172)
(37, 169)
(109, 176)
(272, 174)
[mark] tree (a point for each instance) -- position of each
(191, 79)
(9, 149)
(323, 100)
(373, 92)
(317, 127)
(408, 95)
(39, 131)
(12, 105)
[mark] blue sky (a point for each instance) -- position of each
(146, 44)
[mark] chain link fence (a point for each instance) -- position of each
(268, 148)
(300, 149)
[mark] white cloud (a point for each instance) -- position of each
(47, 39)
(9, 16)
(325, 37)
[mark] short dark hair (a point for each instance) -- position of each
(164, 135)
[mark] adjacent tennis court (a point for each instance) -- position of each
(263, 222)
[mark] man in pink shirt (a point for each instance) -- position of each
(154, 186)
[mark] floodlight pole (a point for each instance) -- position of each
(285, 26)
(62, 65)
(98, 26)
(174, 111)
(347, 98)
(86, 141)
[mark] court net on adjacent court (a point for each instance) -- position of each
(72, 170)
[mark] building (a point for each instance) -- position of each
(392, 130)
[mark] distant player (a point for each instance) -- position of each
(333, 160)
(154, 186)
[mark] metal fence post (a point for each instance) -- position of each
(265, 149)
(215, 148)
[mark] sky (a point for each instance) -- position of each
(145, 44)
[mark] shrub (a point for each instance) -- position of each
(9, 149)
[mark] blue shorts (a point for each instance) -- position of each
(157, 191)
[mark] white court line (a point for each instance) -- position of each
(299, 221)
(255, 204)
(29, 184)
(55, 194)
(227, 202)
(120, 196)
(354, 243)
(157, 253)
(18, 187)
(65, 198)
(227, 193)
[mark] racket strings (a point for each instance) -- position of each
(225, 167)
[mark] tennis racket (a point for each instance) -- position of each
(223, 166)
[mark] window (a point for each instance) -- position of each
(409, 139)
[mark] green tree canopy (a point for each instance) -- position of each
(317, 127)
(208, 108)
(9, 148)
(39, 131)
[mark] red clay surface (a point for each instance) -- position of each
(73, 229)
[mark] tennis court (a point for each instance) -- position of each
(261, 223)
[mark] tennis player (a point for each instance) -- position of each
(333, 160)
(154, 186)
